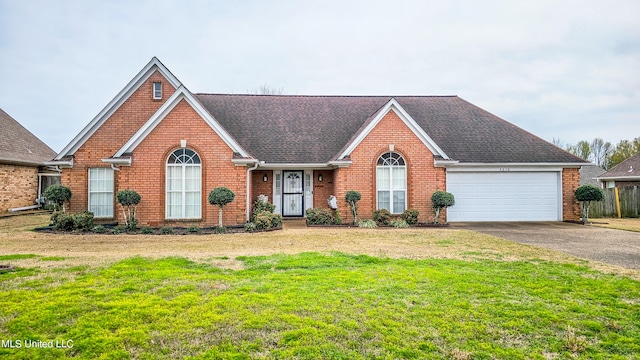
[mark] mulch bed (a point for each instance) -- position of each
(418, 225)
(236, 229)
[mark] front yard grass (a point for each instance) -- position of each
(309, 294)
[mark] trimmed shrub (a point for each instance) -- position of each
(382, 217)
(259, 206)
(369, 224)
(83, 221)
(129, 200)
(118, 230)
(194, 229)
(265, 220)
(62, 221)
(399, 223)
(586, 194)
(441, 200)
(250, 227)
(58, 195)
(166, 230)
(410, 216)
(98, 229)
(220, 197)
(352, 197)
(321, 216)
(221, 229)
(146, 230)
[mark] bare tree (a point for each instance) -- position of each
(600, 151)
(559, 143)
(267, 90)
(581, 149)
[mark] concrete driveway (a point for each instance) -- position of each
(616, 247)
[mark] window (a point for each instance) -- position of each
(101, 192)
(157, 90)
(391, 183)
(184, 184)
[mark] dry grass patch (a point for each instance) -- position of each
(620, 224)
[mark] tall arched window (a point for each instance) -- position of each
(184, 183)
(391, 183)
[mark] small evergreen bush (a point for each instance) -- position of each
(352, 197)
(250, 227)
(321, 216)
(63, 221)
(368, 224)
(166, 230)
(99, 229)
(220, 197)
(399, 223)
(410, 216)
(146, 230)
(586, 194)
(382, 217)
(221, 229)
(265, 220)
(83, 221)
(441, 200)
(118, 230)
(259, 206)
(194, 229)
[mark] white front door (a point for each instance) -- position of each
(292, 193)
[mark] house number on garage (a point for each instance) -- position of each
(505, 169)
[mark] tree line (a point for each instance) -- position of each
(600, 152)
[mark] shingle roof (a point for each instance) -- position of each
(629, 168)
(19, 145)
(312, 129)
(588, 174)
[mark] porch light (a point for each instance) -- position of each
(320, 178)
(265, 178)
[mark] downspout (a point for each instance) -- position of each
(248, 204)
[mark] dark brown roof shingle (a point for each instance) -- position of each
(19, 145)
(313, 129)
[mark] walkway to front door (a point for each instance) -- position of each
(292, 193)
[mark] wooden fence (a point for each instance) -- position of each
(629, 203)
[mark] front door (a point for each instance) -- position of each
(292, 193)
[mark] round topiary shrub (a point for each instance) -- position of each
(441, 200)
(58, 195)
(352, 197)
(586, 194)
(220, 197)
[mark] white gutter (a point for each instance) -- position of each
(248, 196)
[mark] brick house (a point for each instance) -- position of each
(23, 174)
(173, 147)
(625, 174)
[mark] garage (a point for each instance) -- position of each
(505, 196)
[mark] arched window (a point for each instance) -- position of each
(391, 183)
(184, 183)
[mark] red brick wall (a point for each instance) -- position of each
(18, 186)
(322, 189)
(258, 186)
(423, 179)
(147, 175)
(570, 205)
(110, 137)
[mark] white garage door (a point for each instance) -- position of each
(504, 196)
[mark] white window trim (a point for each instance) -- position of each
(89, 192)
(157, 93)
(390, 189)
(183, 167)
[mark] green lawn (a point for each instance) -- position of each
(322, 306)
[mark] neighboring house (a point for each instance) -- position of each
(173, 147)
(588, 175)
(627, 173)
(22, 158)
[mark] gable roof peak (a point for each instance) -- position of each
(151, 67)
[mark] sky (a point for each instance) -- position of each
(559, 69)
